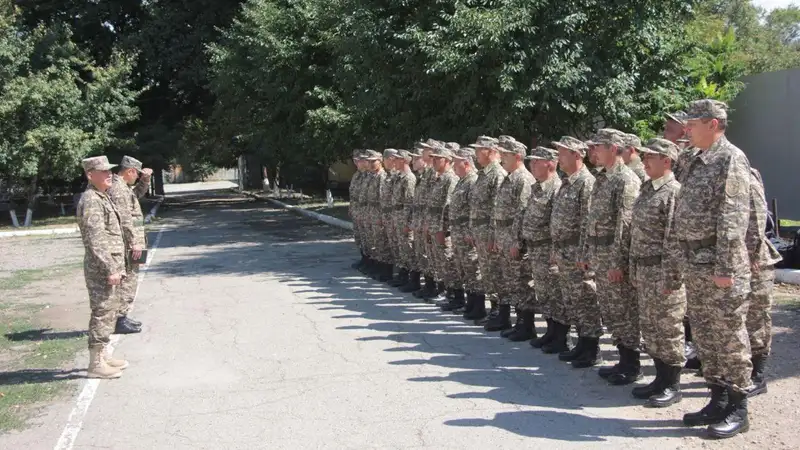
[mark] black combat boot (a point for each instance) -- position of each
(590, 356)
(428, 289)
(648, 390)
(135, 323)
(571, 355)
(629, 372)
(401, 278)
(360, 262)
(735, 420)
(606, 371)
(450, 293)
(546, 337)
(387, 273)
(493, 311)
(502, 321)
(526, 329)
(364, 268)
(670, 386)
(714, 412)
(759, 381)
(510, 331)
(457, 302)
(470, 303)
(478, 310)
(558, 344)
(413, 282)
(124, 326)
(437, 295)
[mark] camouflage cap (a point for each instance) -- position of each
(416, 152)
(442, 152)
(632, 140)
(543, 153)
(707, 109)
(430, 144)
(130, 163)
(679, 117)
(512, 146)
(465, 153)
(485, 142)
(390, 153)
(357, 154)
(452, 146)
(370, 155)
(590, 142)
(404, 154)
(610, 136)
(97, 163)
(660, 146)
(571, 143)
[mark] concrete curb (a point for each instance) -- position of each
(787, 276)
(321, 217)
(72, 229)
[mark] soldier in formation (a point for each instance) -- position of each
(652, 235)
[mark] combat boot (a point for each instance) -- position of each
(98, 367)
(124, 326)
(478, 310)
(401, 278)
(469, 304)
(571, 355)
(654, 387)
(759, 381)
(501, 321)
(366, 266)
(436, 295)
(606, 371)
(558, 344)
(359, 263)
(547, 337)
(457, 302)
(669, 391)
(413, 282)
(510, 331)
(427, 289)
(120, 364)
(714, 412)
(526, 329)
(590, 356)
(387, 273)
(690, 352)
(735, 421)
(629, 372)
(492, 313)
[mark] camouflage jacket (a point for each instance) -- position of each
(460, 204)
(608, 225)
(353, 190)
(637, 166)
(535, 223)
(759, 248)
(571, 209)
(483, 197)
(126, 201)
(651, 227)
(387, 194)
(512, 198)
(712, 212)
(684, 161)
(372, 197)
(420, 207)
(101, 232)
(403, 192)
(439, 196)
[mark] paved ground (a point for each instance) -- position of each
(258, 335)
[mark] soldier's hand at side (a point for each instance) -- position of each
(615, 276)
(514, 252)
(440, 238)
(755, 268)
(115, 279)
(723, 282)
(406, 230)
(137, 252)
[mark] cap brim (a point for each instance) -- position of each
(675, 118)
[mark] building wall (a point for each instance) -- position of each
(765, 124)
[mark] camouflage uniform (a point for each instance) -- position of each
(373, 211)
(403, 203)
(126, 201)
(418, 219)
(607, 245)
(387, 208)
(535, 231)
(660, 315)
(102, 235)
(465, 257)
(763, 254)
(685, 158)
(438, 220)
(636, 165)
(568, 224)
(352, 209)
(711, 219)
(483, 198)
(512, 198)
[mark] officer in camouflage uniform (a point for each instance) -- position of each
(386, 219)
(431, 288)
(512, 198)
(763, 257)
(372, 214)
(420, 167)
(568, 226)
(712, 213)
(402, 207)
(630, 155)
(483, 198)
(660, 316)
(535, 231)
(592, 156)
(355, 191)
(127, 187)
(103, 264)
(438, 223)
(465, 258)
(606, 252)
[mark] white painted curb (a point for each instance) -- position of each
(788, 276)
(149, 217)
(321, 217)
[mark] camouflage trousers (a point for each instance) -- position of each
(660, 316)
(420, 258)
(405, 247)
(546, 290)
(441, 257)
(465, 261)
(391, 238)
(759, 315)
(104, 303)
(357, 235)
(618, 304)
(127, 289)
(381, 248)
(430, 249)
(514, 286)
(578, 304)
(489, 265)
(718, 324)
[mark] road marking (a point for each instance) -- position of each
(75, 420)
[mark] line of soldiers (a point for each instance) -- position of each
(655, 234)
(112, 229)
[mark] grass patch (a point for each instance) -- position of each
(788, 301)
(57, 221)
(17, 400)
(21, 278)
(790, 223)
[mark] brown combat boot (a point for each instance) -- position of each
(98, 367)
(120, 364)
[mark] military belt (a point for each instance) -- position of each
(539, 242)
(697, 245)
(479, 222)
(504, 222)
(461, 221)
(600, 240)
(568, 242)
(435, 210)
(648, 261)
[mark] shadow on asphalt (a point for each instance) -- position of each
(44, 334)
(34, 376)
(314, 259)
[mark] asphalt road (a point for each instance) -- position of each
(259, 335)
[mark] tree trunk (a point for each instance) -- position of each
(158, 179)
(31, 200)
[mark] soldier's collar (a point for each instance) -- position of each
(660, 182)
(709, 154)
